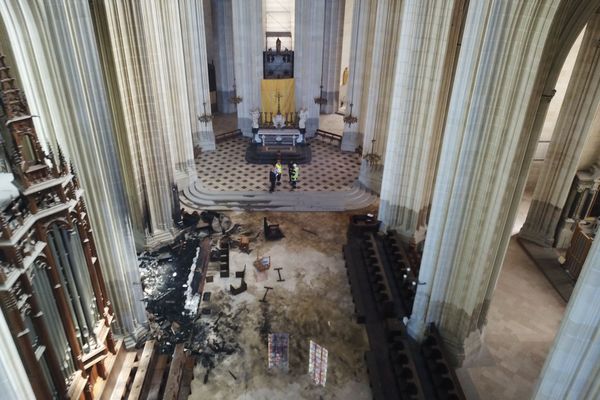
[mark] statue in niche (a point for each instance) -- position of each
(302, 116)
(255, 114)
(278, 45)
(345, 75)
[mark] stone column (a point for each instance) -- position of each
(208, 29)
(222, 23)
(308, 58)
(180, 110)
(14, 382)
(508, 53)
(59, 66)
(362, 34)
(571, 370)
(419, 89)
(379, 82)
(135, 58)
(569, 137)
(332, 54)
(247, 48)
(196, 64)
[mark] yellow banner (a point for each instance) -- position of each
(271, 89)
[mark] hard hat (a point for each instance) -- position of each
(295, 165)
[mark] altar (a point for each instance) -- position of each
(278, 137)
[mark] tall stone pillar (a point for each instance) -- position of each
(222, 23)
(196, 68)
(362, 33)
(419, 92)
(569, 137)
(507, 54)
(308, 58)
(378, 90)
(332, 54)
(14, 383)
(571, 370)
(138, 72)
(179, 107)
(58, 63)
(248, 66)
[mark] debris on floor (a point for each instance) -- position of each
(272, 231)
(225, 320)
(278, 350)
(317, 363)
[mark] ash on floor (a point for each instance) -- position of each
(165, 281)
(313, 303)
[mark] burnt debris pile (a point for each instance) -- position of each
(217, 337)
(165, 283)
(173, 279)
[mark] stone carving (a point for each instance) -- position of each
(302, 115)
(255, 114)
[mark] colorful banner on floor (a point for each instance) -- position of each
(271, 89)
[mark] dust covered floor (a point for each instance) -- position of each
(313, 303)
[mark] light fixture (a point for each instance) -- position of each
(372, 158)
(320, 100)
(350, 119)
(205, 118)
(235, 99)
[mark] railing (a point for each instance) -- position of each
(227, 135)
(329, 135)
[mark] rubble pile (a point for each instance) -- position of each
(164, 276)
(173, 281)
(216, 337)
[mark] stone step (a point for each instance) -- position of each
(196, 196)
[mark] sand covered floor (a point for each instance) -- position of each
(313, 303)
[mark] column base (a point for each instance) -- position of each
(351, 140)
(459, 349)
(245, 125)
(403, 221)
(185, 174)
(312, 124)
(206, 140)
(463, 353)
(130, 341)
(159, 239)
(536, 237)
(415, 239)
(371, 176)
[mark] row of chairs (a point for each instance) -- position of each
(442, 374)
(378, 281)
(405, 277)
(401, 359)
(383, 284)
(351, 252)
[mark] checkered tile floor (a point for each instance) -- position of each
(226, 170)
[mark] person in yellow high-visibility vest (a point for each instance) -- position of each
(295, 175)
(279, 169)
